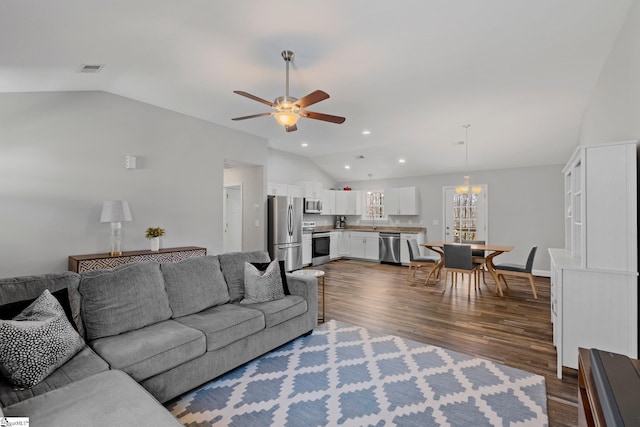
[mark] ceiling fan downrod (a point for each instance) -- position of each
(287, 55)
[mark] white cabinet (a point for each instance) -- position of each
(404, 247)
(594, 279)
(328, 202)
(344, 244)
(334, 244)
(306, 249)
(364, 245)
(401, 201)
(347, 203)
(311, 190)
(275, 189)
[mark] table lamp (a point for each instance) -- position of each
(115, 211)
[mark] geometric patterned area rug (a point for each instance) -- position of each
(345, 375)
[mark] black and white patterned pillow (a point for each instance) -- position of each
(262, 286)
(37, 342)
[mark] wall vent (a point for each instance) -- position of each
(91, 68)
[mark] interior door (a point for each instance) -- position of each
(232, 217)
(465, 217)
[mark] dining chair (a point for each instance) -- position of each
(518, 270)
(478, 256)
(417, 261)
(458, 259)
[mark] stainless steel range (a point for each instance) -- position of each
(320, 242)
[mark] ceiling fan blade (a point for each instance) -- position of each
(323, 117)
(251, 116)
(312, 98)
(291, 128)
(255, 98)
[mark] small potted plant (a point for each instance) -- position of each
(153, 234)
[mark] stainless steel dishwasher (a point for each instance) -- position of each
(389, 248)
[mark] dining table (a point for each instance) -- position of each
(492, 250)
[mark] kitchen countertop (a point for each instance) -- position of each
(382, 228)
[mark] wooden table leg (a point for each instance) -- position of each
(492, 270)
(437, 268)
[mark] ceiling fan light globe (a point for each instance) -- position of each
(287, 118)
(462, 189)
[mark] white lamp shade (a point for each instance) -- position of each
(115, 211)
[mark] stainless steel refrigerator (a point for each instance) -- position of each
(285, 230)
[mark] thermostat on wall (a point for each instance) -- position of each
(130, 162)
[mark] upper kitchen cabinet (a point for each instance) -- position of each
(312, 190)
(274, 189)
(328, 202)
(401, 201)
(348, 203)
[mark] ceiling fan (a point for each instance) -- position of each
(289, 109)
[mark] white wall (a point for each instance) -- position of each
(525, 208)
(62, 154)
(287, 168)
(614, 108)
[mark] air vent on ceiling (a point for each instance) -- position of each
(88, 68)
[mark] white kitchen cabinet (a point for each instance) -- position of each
(334, 244)
(401, 201)
(276, 189)
(347, 203)
(311, 190)
(364, 245)
(344, 244)
(328, 202)
(594, 279)
(306, 249)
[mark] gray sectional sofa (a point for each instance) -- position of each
(153, 332)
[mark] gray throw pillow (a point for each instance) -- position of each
(126, 298)
(37, 342)
(262, 286)
(232, 266)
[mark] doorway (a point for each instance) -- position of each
(465, 216)
(232, 217)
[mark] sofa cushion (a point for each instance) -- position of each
(24, 288)
(151, 350)
(36, 342)
(232, 266)
(106, 399)
(225, 324)
(126, 298)
(281, 310)
(262, 286)
(194, 284)
(82, 365)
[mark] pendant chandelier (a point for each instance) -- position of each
(467, 188)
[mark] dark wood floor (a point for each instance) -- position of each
(514, 330)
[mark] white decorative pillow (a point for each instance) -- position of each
(262, 286)
(37, 342)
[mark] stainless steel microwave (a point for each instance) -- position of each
(312, 206)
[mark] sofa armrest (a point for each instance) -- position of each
(306, 287)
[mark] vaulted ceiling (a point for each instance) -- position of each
(411, 72)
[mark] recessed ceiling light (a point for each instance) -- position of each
(366, 132)
(401, 160)
(347, 167)
(304, 144)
